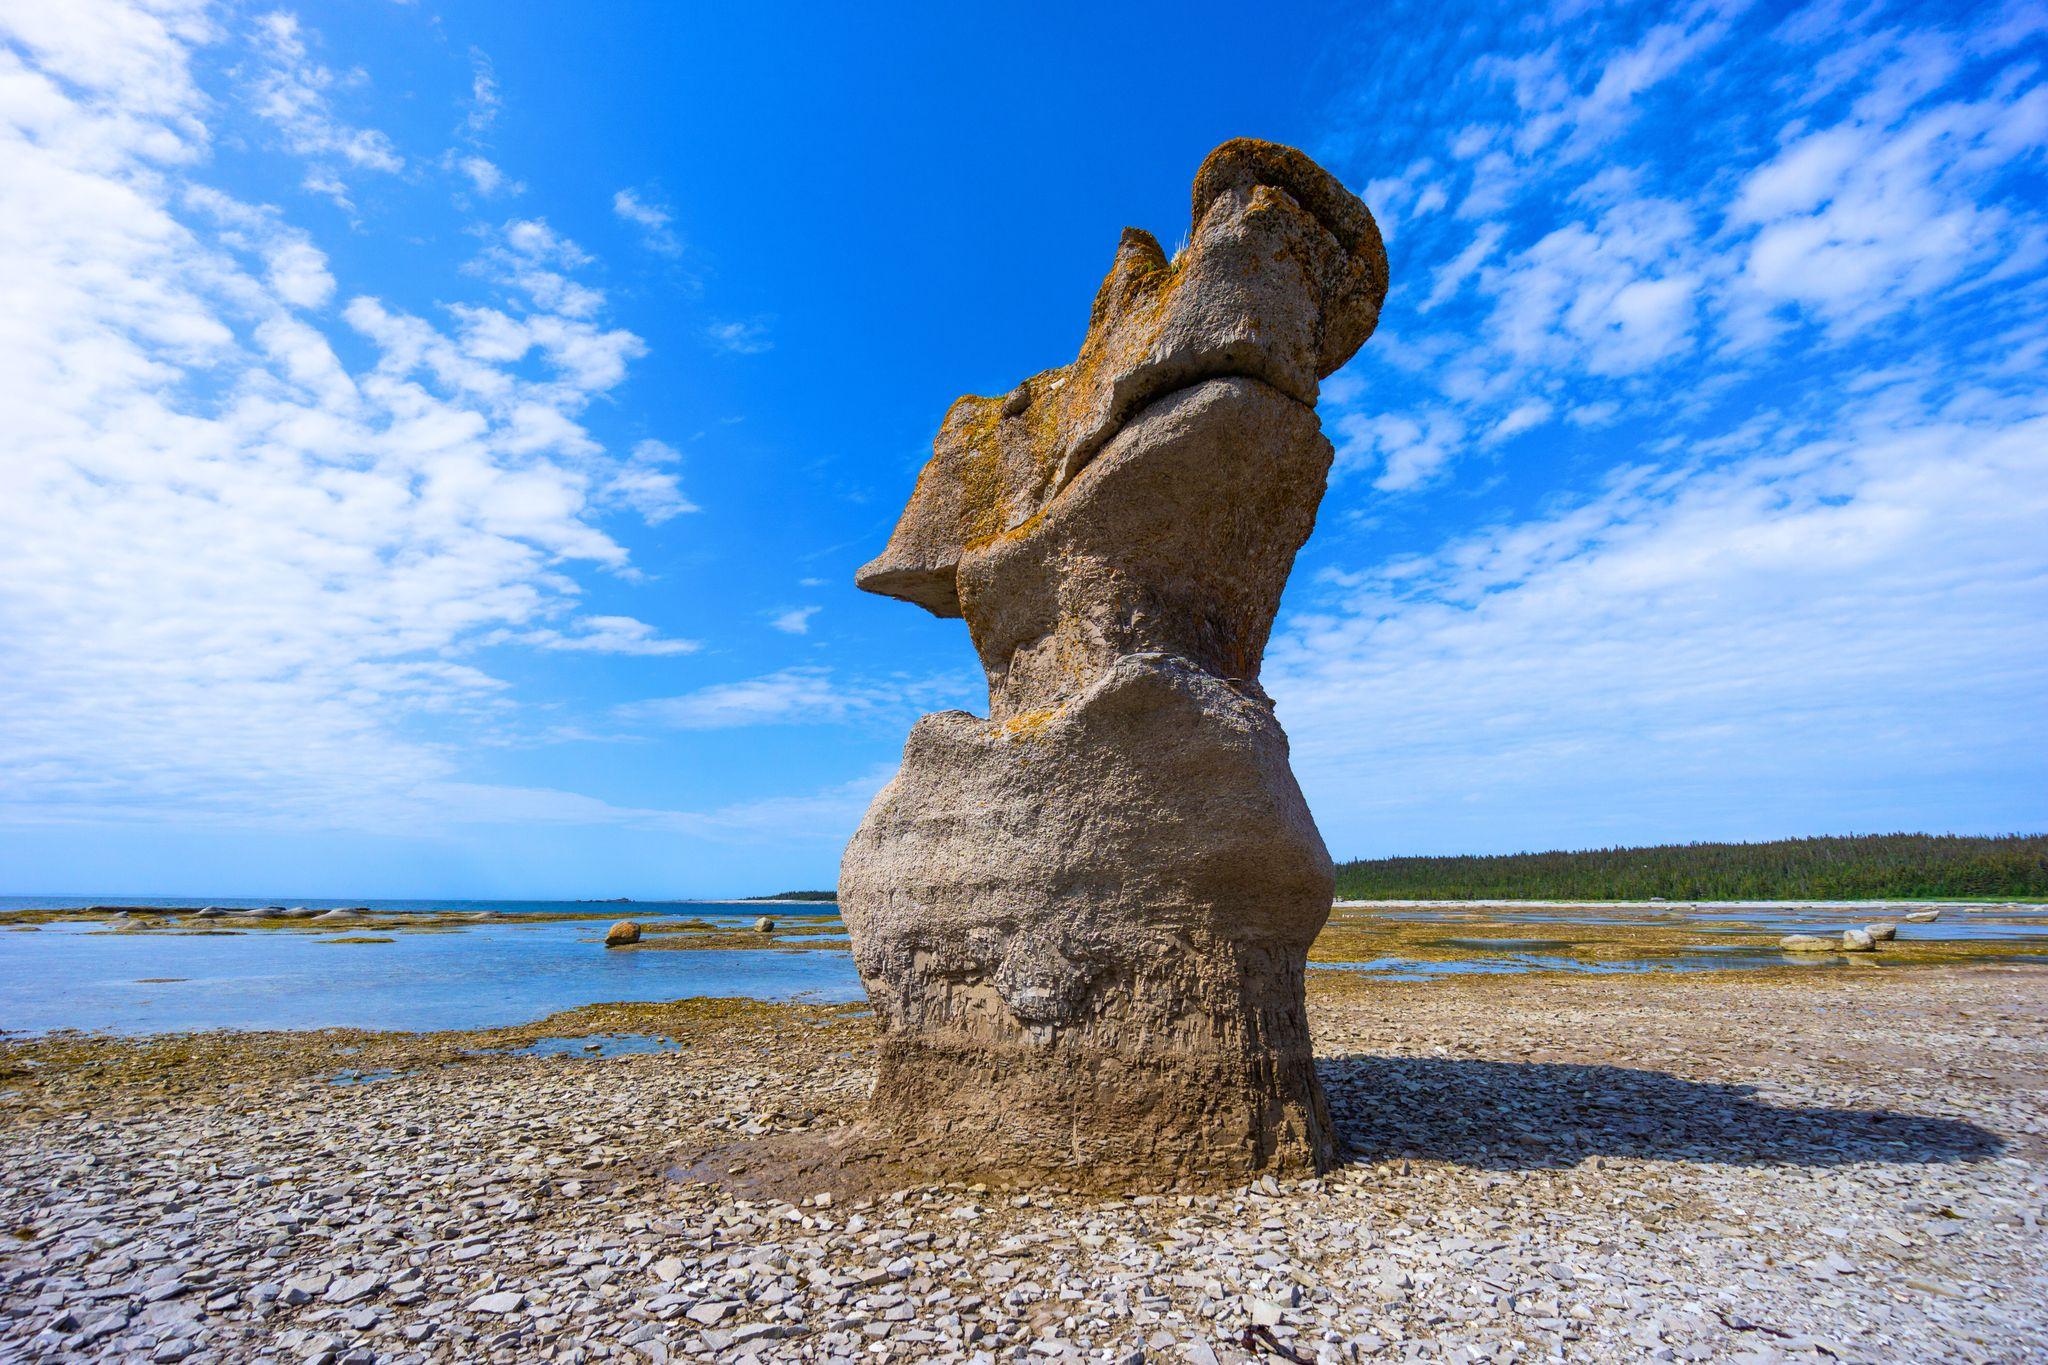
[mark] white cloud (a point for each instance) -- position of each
(1552, 109)
(795, 696)
(796, 621)
(1764, 554)
(1857, 220)
(655, 221)
(644, 483)
(1526, 417)
(740, 338)
(485, 101)
(1701, 647)
(599, 635)
(486, 177)
(1452, 274)
(1409, 450)
(1614, 296)
(241, 555)
(291, 92)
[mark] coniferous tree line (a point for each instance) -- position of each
(1854, 867)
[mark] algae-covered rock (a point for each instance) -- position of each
(1083, 920)
(621, 934)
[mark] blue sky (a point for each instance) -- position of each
(436, 438)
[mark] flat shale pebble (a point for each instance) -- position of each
(1682, 1168)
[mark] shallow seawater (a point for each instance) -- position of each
(79, 976)
(1497, 964)
(507, 963)
(599, 1046)
(364, 1077)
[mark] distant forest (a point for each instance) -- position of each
(1856, 867)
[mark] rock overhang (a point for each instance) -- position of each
(1281, 282)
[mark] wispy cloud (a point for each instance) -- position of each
(307, 505)
(823, 817)
(795, 696)
(598, 635)
(795, 621)
(486, 178)
(1774, 355)
(655, 221)
(484, 98)
(291, 91)
(741, 338)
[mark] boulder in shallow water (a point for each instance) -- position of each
(1807, 943)
(764, 925)
(1858, 941)
(1923, 917)
(621, 934)
(1881, 933)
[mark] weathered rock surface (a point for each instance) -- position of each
(1083, 920)
(1807, 943)
(621, 934)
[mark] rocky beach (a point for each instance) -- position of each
(1770, 1164)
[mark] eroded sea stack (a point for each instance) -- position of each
(1083, 921)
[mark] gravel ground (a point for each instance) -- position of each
(1714, 1166)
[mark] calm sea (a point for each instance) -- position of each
(78, 976)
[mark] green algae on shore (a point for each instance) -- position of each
(1609, 937)
(104, 1074)
(791, 934)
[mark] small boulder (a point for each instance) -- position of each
(1858, 941)
(336, 914)
(209, 912)
(1881, 933)
(622, 933)
(1923, 917)
(764, 925)
(1806, 943)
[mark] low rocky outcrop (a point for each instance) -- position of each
(1083, 919)
(1808, 943)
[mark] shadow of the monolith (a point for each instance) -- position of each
(1529, 1115)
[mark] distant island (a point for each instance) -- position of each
(1852, 867)
(796, 896)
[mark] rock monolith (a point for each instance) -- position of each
(1083, 921)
